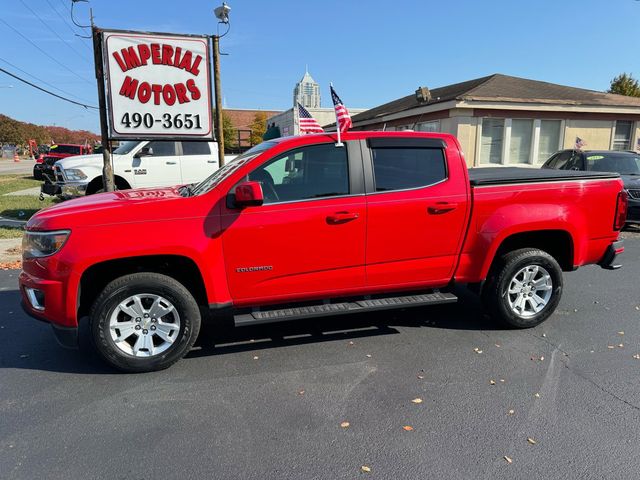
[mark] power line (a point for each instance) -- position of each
(46, 91)
(66, 22)
(39, 79)
(45, 53)
(53, 31)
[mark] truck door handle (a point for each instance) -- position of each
(441, 207)
(341, 217)
(171, 163)
(211, 161)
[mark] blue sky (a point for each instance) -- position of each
(373, 51)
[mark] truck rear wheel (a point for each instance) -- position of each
(144, 322)
(524, 288)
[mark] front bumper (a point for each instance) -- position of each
(610, 257)
(65, 190)
(44, 300)
(73, 189)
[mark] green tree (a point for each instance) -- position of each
(258, 128)
(625, 84)
(229, 132)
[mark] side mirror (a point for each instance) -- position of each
(144, 152)
(249, 194)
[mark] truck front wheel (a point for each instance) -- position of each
(144, 322)
(524, 288)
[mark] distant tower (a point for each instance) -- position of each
(307, 92)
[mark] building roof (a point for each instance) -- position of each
(242, 118)
(307, 78)
(504, 88)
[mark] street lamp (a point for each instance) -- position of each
(222, 14)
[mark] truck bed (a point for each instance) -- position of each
(508, 175)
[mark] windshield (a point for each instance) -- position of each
(126, 147)
(625, 163)
(67, 149)
(219, 175)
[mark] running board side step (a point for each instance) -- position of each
(357, 306)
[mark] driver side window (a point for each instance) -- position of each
(317, 171)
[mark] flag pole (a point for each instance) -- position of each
(339, 143)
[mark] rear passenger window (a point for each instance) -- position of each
(195, 148)
(402, 168)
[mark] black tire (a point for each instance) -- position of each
(495, 296)
(144, 284)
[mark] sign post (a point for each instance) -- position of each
(107, 168)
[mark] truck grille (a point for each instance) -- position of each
(634, 194)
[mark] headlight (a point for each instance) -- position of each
(43, 244)
(74, 174)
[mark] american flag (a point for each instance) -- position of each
(308, 124)
(579, 143)
(342, 114)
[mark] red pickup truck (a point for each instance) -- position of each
(301, 227)
(44, 163)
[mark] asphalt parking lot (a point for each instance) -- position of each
(427, 393)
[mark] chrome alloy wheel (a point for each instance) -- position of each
(144, 325)
(530, 290)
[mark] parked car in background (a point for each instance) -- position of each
(44, 163)
(626, 163)
(135, 164)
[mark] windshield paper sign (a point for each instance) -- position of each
(158, 85)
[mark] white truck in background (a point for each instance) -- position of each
(136, 164)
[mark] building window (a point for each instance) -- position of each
(491, 140)
(433, 126)
(549, 139)
(622, 135)
(520, 144)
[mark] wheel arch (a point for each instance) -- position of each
(95, 184)
(97, 276)
(558, 243)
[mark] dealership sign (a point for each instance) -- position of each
(158, 85)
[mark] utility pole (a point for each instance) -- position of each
(218, 95)
(107, 169)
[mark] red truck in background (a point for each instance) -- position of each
(44, 163)
(300, 227)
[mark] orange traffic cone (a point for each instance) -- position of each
(16, 158)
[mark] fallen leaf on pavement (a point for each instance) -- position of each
(416, 400)
(542, 359)
(345, 424)
(544, 334)
(497, 345)
(637, 356)
(420, 377)
(508, 459)
(621, 345)
(11, 265)
(368, 356)
(502, 380)
(256, 357)
(620, 333)
(492, 382)
(477, 350)
(365, 469)
(537, 395)
(610, 347)
(511, 412)
(408, 428)
(531, 441)
(301, 392)
(351, 343)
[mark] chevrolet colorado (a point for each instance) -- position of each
(301, 227)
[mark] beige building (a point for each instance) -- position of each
(503, 120)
